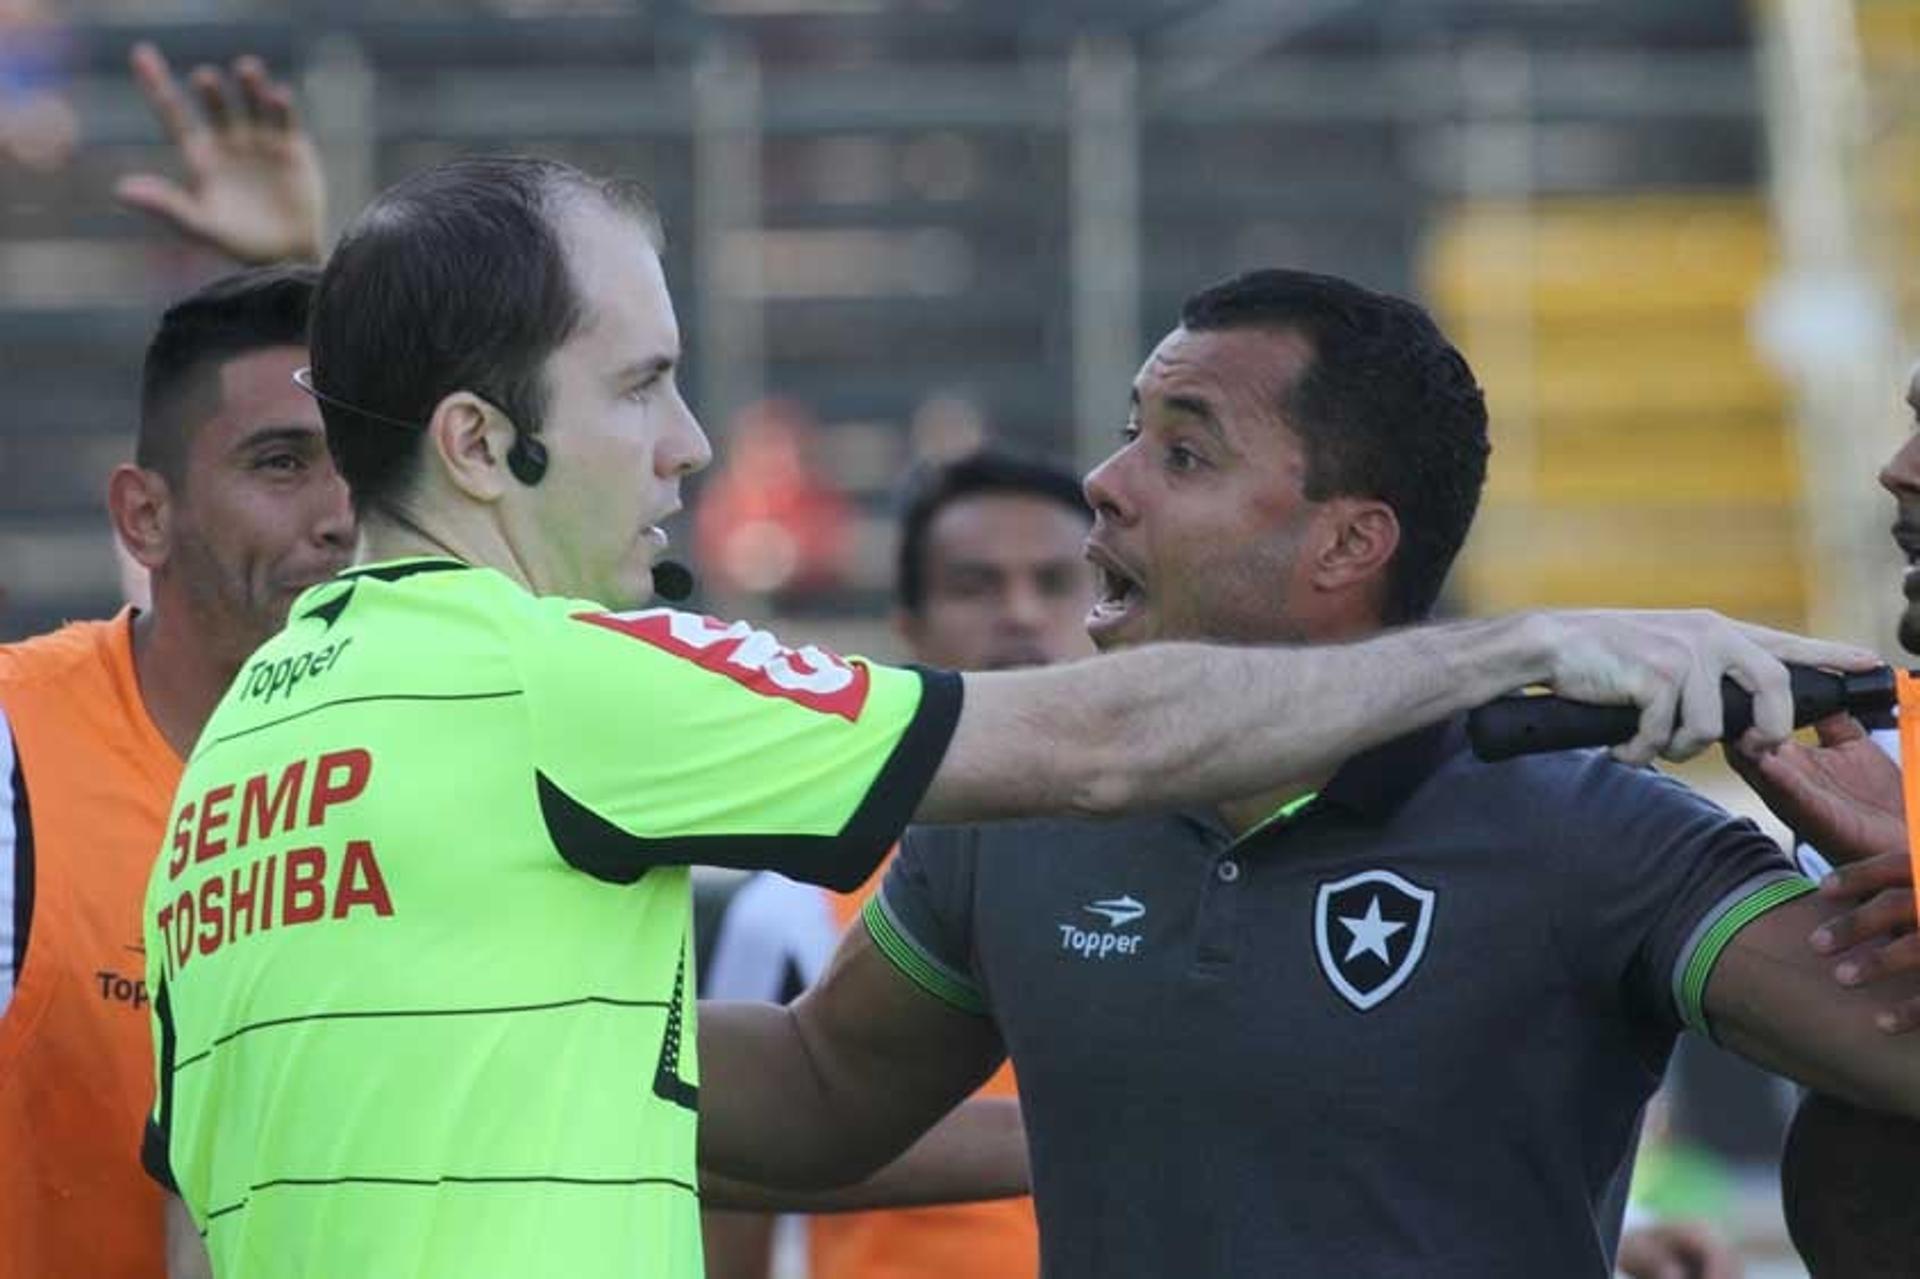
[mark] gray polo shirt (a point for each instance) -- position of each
(1409, 1030)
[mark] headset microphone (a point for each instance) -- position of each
(672, 581)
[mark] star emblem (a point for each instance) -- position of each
(1370, 932)
(1389, 920)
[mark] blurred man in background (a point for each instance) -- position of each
(232, 506)
(989, 575)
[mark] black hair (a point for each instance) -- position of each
(1846, 1183)
(454, 279)
(235, 315)
(988, 470)
(1386, 408)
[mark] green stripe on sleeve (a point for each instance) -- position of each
(922, 969)
(1711, 938)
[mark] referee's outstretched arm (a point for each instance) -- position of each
(1191, 723)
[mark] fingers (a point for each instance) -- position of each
(1701, 1251)
(268, 105)
(1838, 729)
(1887, 915)
(1657, 711)
(1721, 1262)
(1762, 769)
(254, 99)
(152, 194)
(162, 92)
(1862, 879)
(1899, 1017)
(1702, 711)
(1723, 653)
(1872, 964)
(210, 90)
(1811, 652)
(1757, 671)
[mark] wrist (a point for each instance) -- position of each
(1496, 656)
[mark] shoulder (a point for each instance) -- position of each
(1588, 788)
(1598, 837)
(997, 843)
(62, 663)
(57, 657)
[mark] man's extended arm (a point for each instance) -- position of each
(825, 1090)
(1192, 723)
(978, 1151)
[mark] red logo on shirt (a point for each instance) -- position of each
(813, 677)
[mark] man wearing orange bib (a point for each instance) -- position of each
(234, 507)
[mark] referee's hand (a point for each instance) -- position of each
(1670, 665)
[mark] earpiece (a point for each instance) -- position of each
(527, 459)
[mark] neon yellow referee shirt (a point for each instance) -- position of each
(419, 933)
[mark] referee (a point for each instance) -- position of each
(418, 935)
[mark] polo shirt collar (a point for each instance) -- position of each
(1374, 784)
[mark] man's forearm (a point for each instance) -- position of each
(979, 1151)
(822, 1093)
(766, 1112)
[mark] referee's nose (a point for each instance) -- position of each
(684, 448)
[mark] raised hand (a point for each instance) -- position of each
(1842, 796)
(253, 188)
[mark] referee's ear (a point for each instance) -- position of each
(470, 439)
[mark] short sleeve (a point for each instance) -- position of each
(667, 738)
(1657, 880)
(922, 917)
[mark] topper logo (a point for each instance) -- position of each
(810, 676)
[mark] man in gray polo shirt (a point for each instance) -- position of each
(1405, 1025)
